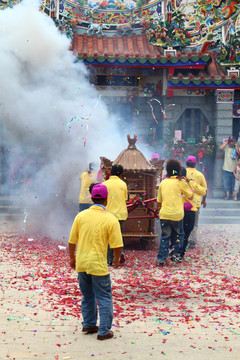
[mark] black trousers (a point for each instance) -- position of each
(188, 225)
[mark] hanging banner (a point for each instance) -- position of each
(178, 134)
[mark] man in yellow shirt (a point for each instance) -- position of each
(87, 178)
(194, 174)
(171, 193)
(117, 197)
(190, 209)
(92, 230)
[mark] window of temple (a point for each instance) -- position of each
(193, 124)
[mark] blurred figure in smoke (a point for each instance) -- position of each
(117, 197)
(194, 174)
(87, 178)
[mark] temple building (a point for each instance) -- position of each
(167, 68)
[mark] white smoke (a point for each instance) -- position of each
(42, 88)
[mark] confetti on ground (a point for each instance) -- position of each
(201, 295)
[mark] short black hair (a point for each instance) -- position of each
(117, 170)
(183, 171)
(98, 201)
(173, 167)
(190, 164)
(91, 187)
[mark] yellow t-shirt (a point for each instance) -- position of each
(193, 173)
(197, 189)
(172, 193)
(87, 179)
(117, 197)
(92, 230)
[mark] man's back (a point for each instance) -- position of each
(117, 197)
(93, 229)
(194, 174)
(171, 194)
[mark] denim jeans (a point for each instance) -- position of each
(96, 288)
(170, 230)
(228, 181)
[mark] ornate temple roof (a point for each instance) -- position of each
(133, 159)
(128, 50)
(214, 78)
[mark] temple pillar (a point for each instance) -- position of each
(223, 129)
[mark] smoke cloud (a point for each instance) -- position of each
(42, 88)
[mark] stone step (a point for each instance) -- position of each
(11, 217)
(219, 220)
(220, 212)
(226, 204)
(10, 209)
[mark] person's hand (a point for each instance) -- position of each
(204, 204)
(73, 263)
(116, 262)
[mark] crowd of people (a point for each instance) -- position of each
(97, 229)
(97, 232)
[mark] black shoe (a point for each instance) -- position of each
(177, 258)
(160, 263)
(109, 263)
(90, 330)
(105, 337)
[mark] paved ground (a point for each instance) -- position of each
(185, 311)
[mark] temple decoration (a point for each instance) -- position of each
(180, 149)
(225, 96)
(203, 26)
(171, 34)
(4, 4)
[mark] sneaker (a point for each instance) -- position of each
(90, 330)
(109, 263)
(160, 263)
(105, 337)
(177, 258)
(171, 251)
(122, 259)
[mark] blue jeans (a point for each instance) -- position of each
(228, 181)
(84, 206)
(96, 288)
(170, 230)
